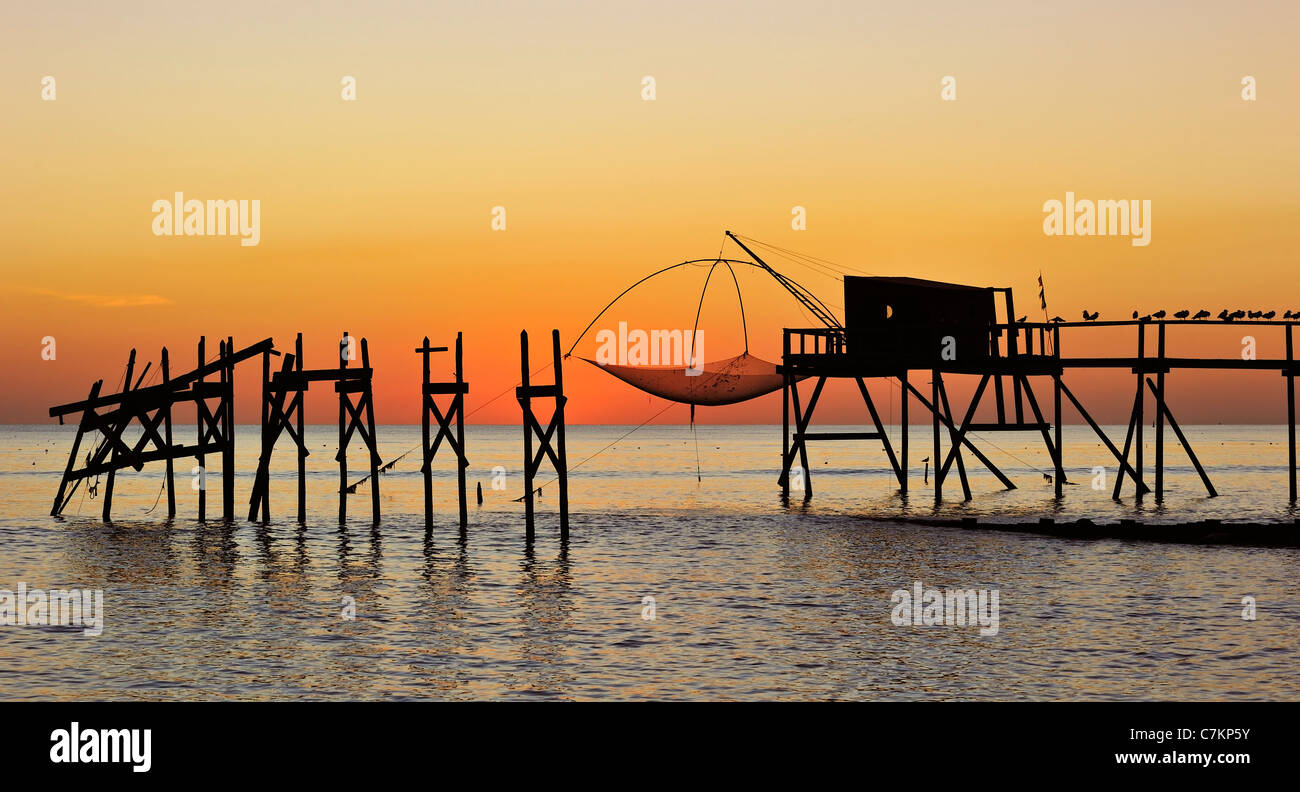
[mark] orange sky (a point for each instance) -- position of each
(375, 214)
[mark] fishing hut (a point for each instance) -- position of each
(898, 327)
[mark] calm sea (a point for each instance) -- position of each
(753, 599)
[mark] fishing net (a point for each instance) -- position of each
(728, 381)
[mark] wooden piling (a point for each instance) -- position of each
(1160, 413)
(784, 479)
(934, 411)
(62, 496)
(425, 468)
(903, 441)
(1290, 414)
(372, 440)
(299, 404)
(461, 462)
(201, 414)
(267, 441)
(228, 449)
(526, 402)
(343, 438)
(167, 430)
(111, 477)
(1139, 423)
(562, 465)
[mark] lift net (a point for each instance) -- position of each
(728, 381)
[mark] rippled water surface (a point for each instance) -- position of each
(753, 598)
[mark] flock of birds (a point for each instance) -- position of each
(1225, 315)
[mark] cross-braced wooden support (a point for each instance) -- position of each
(957, 435)
(1133, 439)
(455, 413)
(277, 418)
(801, 435)
(551, 440)
(151, 408)
(959, 438)
(356, 417)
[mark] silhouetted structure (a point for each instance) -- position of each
(457, 389)
(349, 382)
(525, 393)
(354, 417)
(894, 326)
(151, 407)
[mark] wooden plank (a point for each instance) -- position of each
(177, 383)
(839, 436)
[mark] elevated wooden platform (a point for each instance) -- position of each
(1007, 355)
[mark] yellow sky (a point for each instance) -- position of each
(375, 214)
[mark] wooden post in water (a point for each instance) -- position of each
(62, 497)
(425, 467)
(461, 462)
(267, 441)
(784, 480)
(903, 394)
(526, 403)
(167, 429)
(344, 350)
(1290, 412)
(302, 438)
(1160, 413)
(112, 472)
(562, 465)
(372, 441)
(1138, 421)
(228, 450)
(934, 410)
(1056, 387)
(201, 418)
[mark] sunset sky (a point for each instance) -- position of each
(375, 213)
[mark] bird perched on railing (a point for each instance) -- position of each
(1021, 320)
(1290, 315)
(1057, 320)
(1268, 315)
(1090, 317)
(1159, 314)
(1201, 314)
(1225, 316)
(1238, 314)
(1183, 314)
(1254, 314)
(1135, 314)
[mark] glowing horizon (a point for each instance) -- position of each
(376, 213)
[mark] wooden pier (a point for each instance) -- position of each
(897, 326)
(151, 407)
